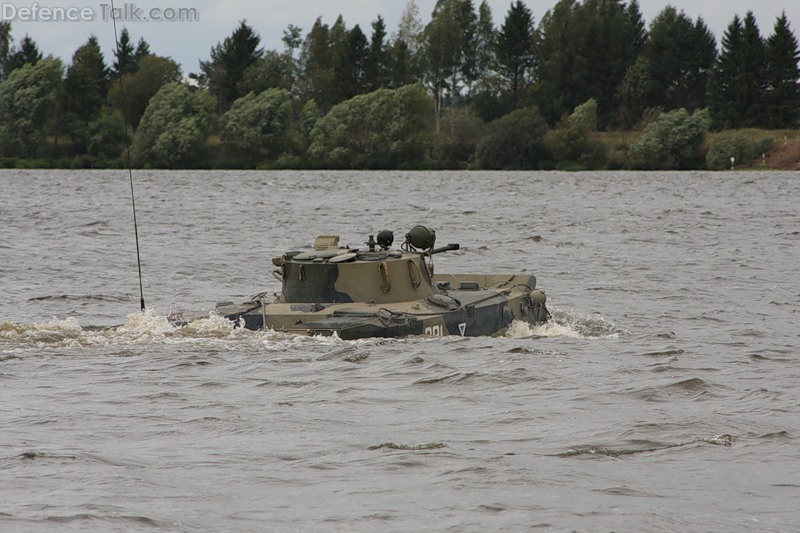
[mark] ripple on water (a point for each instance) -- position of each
(694, 389)
(410, 447)
(670, 361)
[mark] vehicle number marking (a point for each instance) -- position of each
(435, 331)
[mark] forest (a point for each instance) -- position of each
(587, 85)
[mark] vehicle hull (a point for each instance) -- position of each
(472, 305)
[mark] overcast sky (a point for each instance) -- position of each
(189, 42)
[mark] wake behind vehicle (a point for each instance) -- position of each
(385, 292)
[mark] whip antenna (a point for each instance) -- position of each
(128, 155)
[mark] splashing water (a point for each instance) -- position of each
(145, 327)
(212, 326)
(150, 327)
(141, 328)
(567, 324)
(53, 331)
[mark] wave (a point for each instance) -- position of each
(411, 447)
(75, 297)
(614, 451)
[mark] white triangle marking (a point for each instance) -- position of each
(462, 328)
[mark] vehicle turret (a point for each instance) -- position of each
(378, 275)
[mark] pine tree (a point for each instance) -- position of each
(86, 82)
(85, 90)
(124, 55)
(704, 54)
(316, 60)
(636, 32)
(783, 75)
(612, 41)
(5, 47)
(485, 41)
(142, 50)
(402, 65)
(338, 36)
(229, 61)
(376, 69)
(751, 91)
(723, 86)
(680, 54)
(27, 54)
(558, 90)
(585, 51)
(515, 47)
(349, 64)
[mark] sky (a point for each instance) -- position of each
(189, 42)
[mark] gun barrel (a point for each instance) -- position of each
(449, 247)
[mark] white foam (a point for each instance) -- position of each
(153, 328)
(145, 327)
(212, 326)
(566, 324)
(54, 329)
(519, 330)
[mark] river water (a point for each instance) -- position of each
(664, 396)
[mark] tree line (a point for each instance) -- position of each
(456, 92)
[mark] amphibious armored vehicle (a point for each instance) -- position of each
(378, 291)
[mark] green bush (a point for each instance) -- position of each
(256, 126)
(27, 102)
(571, 144)
(674, 141)
(513, 142)
(744, 148)
(174, 128)
(106, 137)
(383, 129)
(455, 142)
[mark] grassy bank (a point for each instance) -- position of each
(755, 149)
(765, 149)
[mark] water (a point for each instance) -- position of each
(663, 397)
